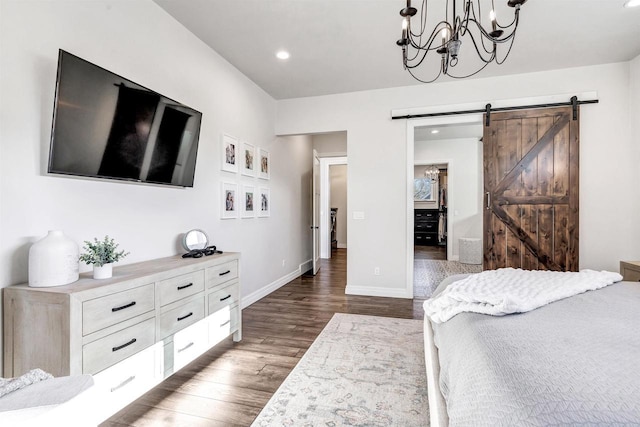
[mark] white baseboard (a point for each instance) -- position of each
(266, 290)
(342, 245)
(379, 292)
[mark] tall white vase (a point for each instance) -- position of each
(53, 261)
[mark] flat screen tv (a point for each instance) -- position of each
(105, 126)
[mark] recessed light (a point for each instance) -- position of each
(435, 131)
(282, 54)
(632, 3)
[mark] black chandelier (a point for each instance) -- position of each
(447, 35)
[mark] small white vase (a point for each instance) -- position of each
(53, 261)
(104, 272)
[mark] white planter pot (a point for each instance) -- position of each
(104, 272)
(53, 261)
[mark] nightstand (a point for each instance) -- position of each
(630, 270)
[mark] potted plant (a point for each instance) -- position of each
(102, 255)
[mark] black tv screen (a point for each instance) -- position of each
(105, 126)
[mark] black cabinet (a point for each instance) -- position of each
(425, 227)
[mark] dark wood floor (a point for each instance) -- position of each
(230, 384)
(430, 252)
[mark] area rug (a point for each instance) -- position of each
(428, 273)
(360, 371)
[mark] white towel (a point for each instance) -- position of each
(508, 290)
(8, 385)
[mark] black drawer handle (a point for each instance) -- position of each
(184, 286)
(122, 307)
(185, 347)
(226, 272)
(185, 316)
(123, 383)
(227, 297)
(120, 347)
(225, 323)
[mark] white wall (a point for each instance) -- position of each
(140, 41)
(463, 192)
(333, 144)
(378, 172)
(338, 183)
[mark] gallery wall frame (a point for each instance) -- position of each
(265, 203)
(248, 201)
(229, 203)
(264, 164)
(248, 159)
(229, 151)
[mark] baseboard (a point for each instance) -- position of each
(306, 266)
(342, 245)
(379, 292)
(273, 286)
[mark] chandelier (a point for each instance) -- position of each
(446, 36)
(432, 172)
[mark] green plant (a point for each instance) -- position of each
(102, 252)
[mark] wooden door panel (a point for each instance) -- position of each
(531, 182)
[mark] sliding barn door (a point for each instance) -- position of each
(531, 190)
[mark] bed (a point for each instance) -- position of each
(573, 361)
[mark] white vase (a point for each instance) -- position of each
(53, 261)
(103, 272)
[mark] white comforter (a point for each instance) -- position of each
(508, 290)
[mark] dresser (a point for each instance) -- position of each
(425, 227)
(630, 271)
(130, 331)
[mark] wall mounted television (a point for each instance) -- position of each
(105, 126)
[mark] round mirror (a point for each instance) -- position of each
(195, 239)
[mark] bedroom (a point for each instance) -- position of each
(140, 40)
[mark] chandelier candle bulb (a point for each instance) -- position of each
(492, 16)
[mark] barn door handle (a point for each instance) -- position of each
(488, 200)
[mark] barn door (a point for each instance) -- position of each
(531, 190)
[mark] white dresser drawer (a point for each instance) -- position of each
(180, 317)
(110, 309)
(107, 351)
(122, 383)
(223, 295)
(189, 343)
(223, 322)
(222, 273)
(180, 287)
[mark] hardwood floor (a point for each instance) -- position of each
(230, 384)
(430, 252)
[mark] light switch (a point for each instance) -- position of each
(358, 215)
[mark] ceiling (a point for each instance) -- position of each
(341, 46)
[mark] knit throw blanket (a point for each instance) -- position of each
(8, 385)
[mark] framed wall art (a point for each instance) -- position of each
(265, 203)
(229, 200)
(229, 153)
(248, 160)
(264, 164)
(248, 201)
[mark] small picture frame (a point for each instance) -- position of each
(229, 153)
(248, 201)
(248, 159)
(230, 202)
(264, 164)
(265, 203)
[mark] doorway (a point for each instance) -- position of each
(447, 156)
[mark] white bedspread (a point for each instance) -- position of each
(508, 290)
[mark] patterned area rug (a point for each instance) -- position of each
(427, 274)
(360, 371)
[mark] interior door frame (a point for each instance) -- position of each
(315, 212)
(325, 202)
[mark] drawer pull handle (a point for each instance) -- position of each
(225, 323)
(227, 297)
(123, 383)
(185, 347)
(120, 347)
(122, 307)
(185, 316)
(184, 286)
(226, 272)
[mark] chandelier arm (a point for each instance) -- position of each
(469, 75)
(516, 16)
(493, 39)
(508, 52)
(430, 40)
(424, 55)
(492, 53)
(425, 81)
